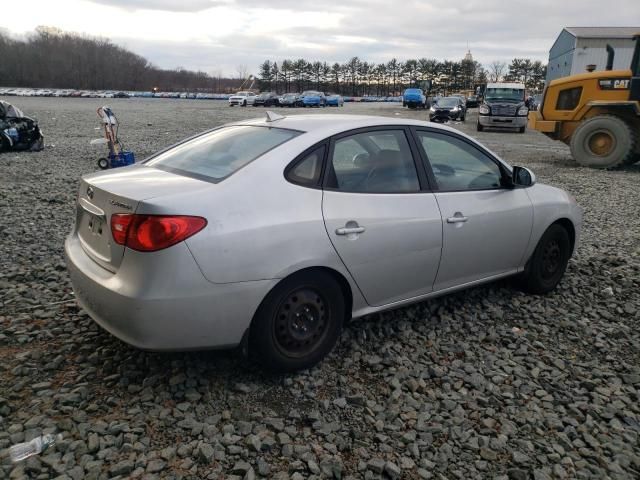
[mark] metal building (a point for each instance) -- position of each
(577, 47)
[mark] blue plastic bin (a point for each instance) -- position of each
(122, 159)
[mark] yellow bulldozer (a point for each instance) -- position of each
(596, 113)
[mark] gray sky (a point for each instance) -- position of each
(218, 35)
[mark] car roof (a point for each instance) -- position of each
(331, 124)
(325, 125)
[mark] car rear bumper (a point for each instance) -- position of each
(163, 302)
(508, 122)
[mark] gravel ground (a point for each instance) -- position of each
(488, 383)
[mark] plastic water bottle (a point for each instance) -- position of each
(22, 451)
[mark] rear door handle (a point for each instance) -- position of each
(457, 218)
(348, 230)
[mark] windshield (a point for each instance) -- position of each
(448, 102)
(218, 154)
(310, 93)
(507, 94)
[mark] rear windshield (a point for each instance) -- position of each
(216, 155)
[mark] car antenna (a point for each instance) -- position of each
(273, 116)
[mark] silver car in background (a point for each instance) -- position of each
(271, 233)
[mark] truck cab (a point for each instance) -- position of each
(503, 106)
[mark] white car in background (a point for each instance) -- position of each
(242, 98)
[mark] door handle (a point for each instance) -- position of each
(457, 218)
(349, 230)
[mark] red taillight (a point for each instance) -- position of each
(119, 227)
(148, 233)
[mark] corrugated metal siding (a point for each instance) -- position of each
(561, 56)
(593, 51)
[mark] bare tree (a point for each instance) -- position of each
(243, 72)
(497, 70)
(52, 58)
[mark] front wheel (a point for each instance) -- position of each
(479, 127)
(548, 262)
(298, 323)
(604, 141)
(522, 129)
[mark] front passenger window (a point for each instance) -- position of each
(457, 165)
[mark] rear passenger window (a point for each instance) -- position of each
(307, 171)
(568, 99)
(379, 161)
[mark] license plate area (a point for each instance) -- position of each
(94, 224)
(94, 234)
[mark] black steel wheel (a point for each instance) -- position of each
(549, 261)
(298, 323)
(103, 163)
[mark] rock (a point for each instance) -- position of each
(122, 468)
(392, 470)
(205, 453)
(376, 465)
(156, 465)
(517, 474)
(488, 454)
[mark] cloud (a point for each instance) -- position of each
(165, 5)
(214, 35)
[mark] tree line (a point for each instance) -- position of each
(357, 77)
(51, 58)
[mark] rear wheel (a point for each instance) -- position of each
(298, 323)
(548, 262)
(604, 141)
(103, 163)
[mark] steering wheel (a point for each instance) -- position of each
(442, 169)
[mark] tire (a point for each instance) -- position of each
(548, 262)
(604, 141)
(103, 163)
(522, 129)
(280, 340)
(244, 103)
(463, 118)
(479, 127)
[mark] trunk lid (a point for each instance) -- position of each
(103, 194)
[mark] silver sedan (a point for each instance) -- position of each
(271, 233)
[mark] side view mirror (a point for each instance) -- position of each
(523, 176)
